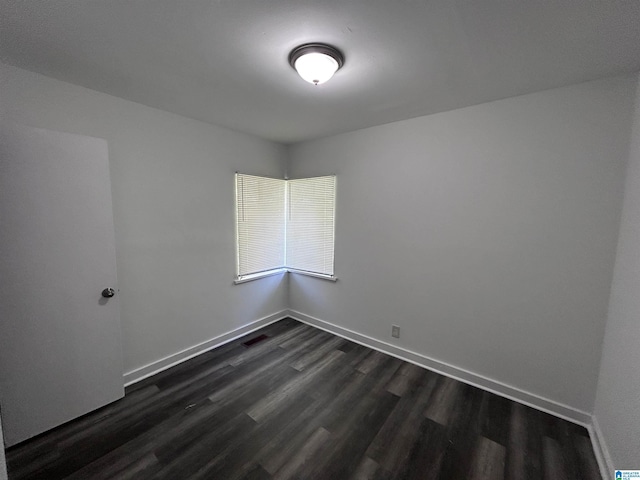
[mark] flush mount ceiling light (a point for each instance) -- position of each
(316, 62)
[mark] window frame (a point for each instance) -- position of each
(248, 277)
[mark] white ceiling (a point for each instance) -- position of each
(225, 61)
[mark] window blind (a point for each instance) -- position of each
(260, 221)
(311, 224)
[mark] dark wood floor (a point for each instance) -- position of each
(291, 401)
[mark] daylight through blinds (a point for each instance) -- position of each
(311, 224)
(260, 224)
(285, 224)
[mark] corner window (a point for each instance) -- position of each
(284, 225)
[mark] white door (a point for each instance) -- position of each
(60, 341)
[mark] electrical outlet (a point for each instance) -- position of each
(395, 331)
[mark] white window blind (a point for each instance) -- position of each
(311, 224)
(260, 216)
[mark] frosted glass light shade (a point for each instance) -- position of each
(316, 68)
(316, 62)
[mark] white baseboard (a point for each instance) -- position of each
(600, 449)
(167, 362)
(513, 393)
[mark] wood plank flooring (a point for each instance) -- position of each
(293, 402)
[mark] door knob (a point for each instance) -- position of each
(108, 292)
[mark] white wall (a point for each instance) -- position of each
(617, 407)
(172, 183)
(487, 233)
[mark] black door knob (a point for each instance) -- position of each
(108, 292)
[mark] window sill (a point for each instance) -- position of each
(257, 276)
(323, 276)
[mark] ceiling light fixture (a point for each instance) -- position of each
(316, 62)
